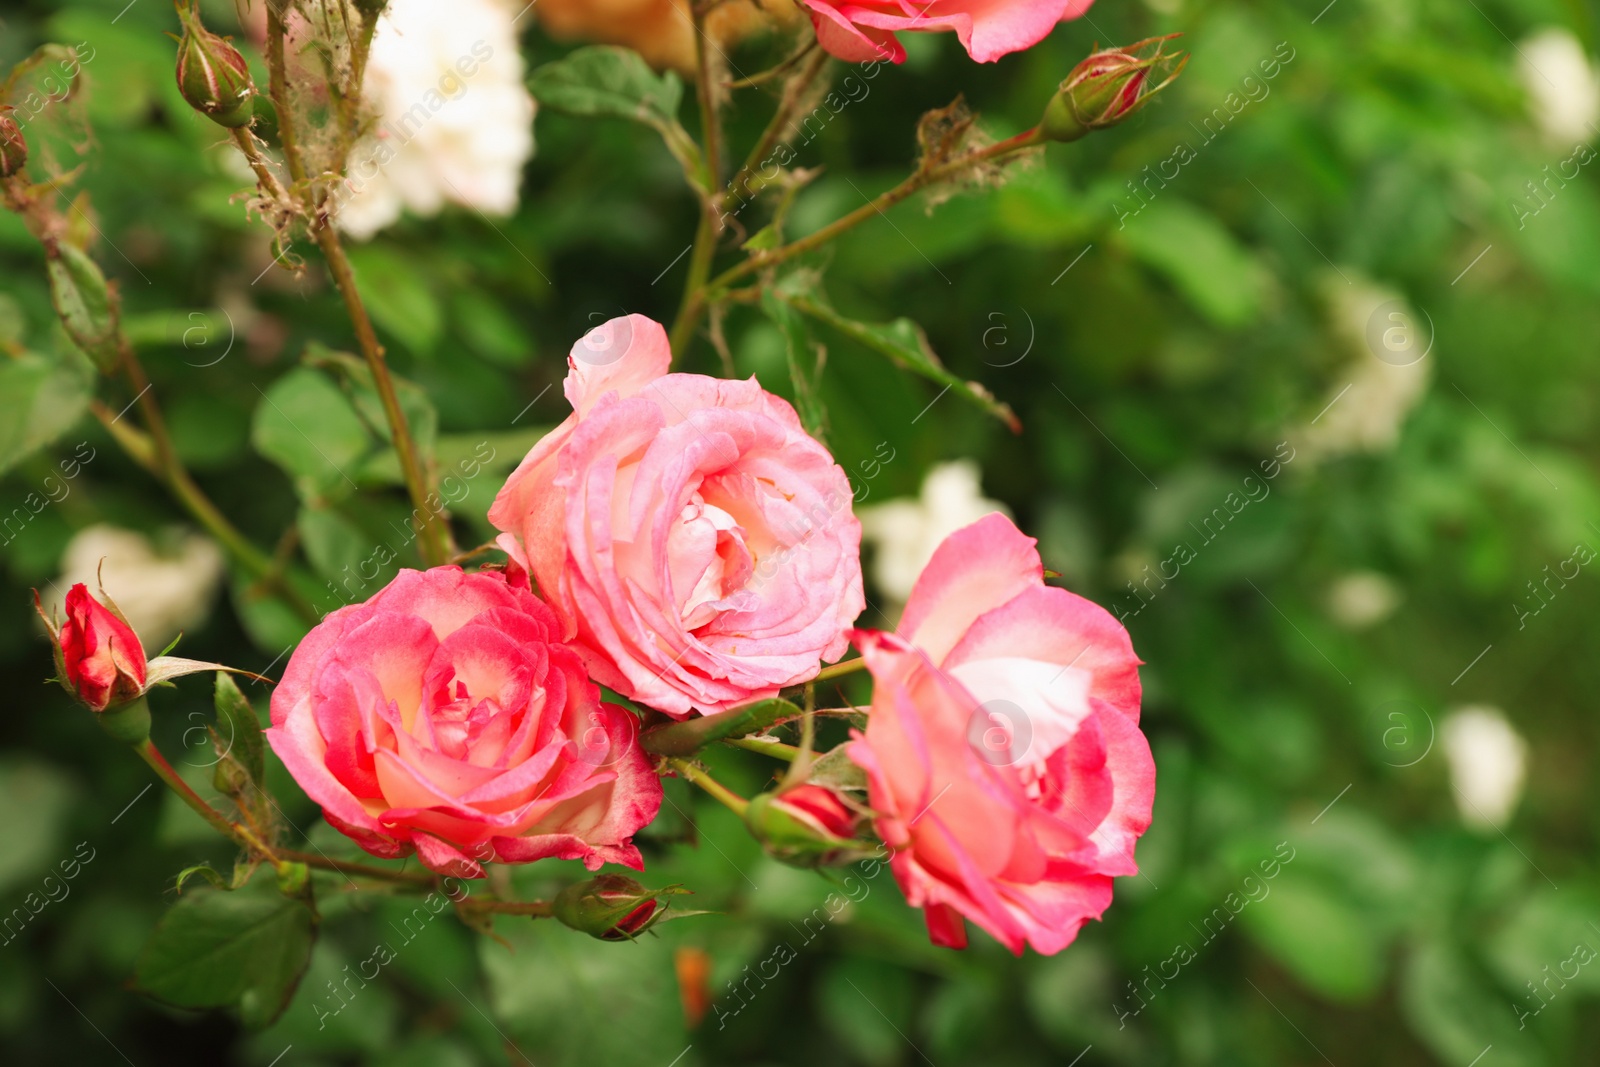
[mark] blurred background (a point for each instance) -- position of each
(1305, 361)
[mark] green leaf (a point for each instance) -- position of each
(83, 301)
(569, 1002)
(603, 81)
(203, 870)
(241, 730)
(1223, 281)
(245, 951)
(40, 399)
(798, 346)
(415, 405)
(308, 427)
(835, 770)
(905, 345)
(398, 296)
(1458, 1015)
(1321, 938)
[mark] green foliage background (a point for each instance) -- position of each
(1159, 370)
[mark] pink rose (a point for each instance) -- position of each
(859, 32)
(698, 545)
(102, 660)
(444, 716)
(1003, 753)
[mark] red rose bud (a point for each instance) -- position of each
(212, 75)
(611, 907)
(806, 825)
(1108, 87)
(100, 658)
(13, 149)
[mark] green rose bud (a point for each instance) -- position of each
(212, 75)
(611, 907)
(1107, 87)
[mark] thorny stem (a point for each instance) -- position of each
(733, 801)
(246, 838)
(219, 822)
(709, 228)
(793, 91)
(696, 300)
(432, 535)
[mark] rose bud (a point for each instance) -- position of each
(213, 77)
(1107, 87)
(611, 907)
(13, 149)
(100, 660)
(806, 826)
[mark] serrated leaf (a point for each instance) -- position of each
(241, 730)
(244, 951)
(904, 344)
(798, 346)
(40, 399)
(603, 81)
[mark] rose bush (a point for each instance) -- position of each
(860, 32)
(1005, 764)
(698, 545)
(444, 716)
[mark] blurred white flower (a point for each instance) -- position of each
(1361, 599)
(1487, 760)
(906, 532)
(1562, 88)
(159, 593)
(454, 120)
(1389, 370)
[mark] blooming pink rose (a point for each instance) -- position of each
(444, 716)
(1003, 753)
(859, 32)
(102, 659)
(698, 545)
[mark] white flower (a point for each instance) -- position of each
(1390, 366)
(906, 532)
(1487, 760)
(160, 594)
(1361, 599)
(1561, 85)
(454, 120)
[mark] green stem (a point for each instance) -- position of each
(359, 870)
(733, 801)
(920, 179)
(765, 746)
(709, 228)
(219, 822)
(839, 670)
(538, 909)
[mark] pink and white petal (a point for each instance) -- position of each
(300, 746)
(379, 845)
(1056, 626)
(620, 356)
(444, 858)
(975, 570)
(1052, 913)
